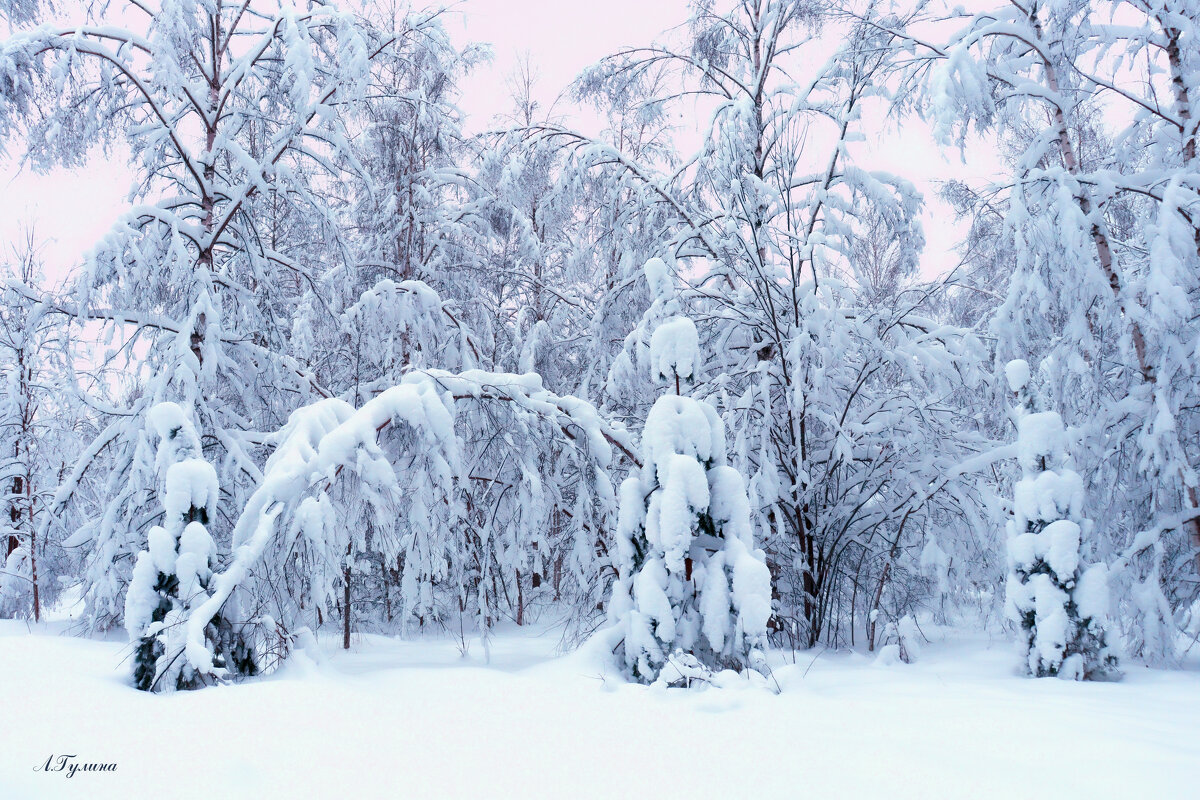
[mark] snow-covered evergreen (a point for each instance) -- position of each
(174, 570)
(690, 580)
(1059, 603)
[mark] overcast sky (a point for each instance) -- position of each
(73, 209)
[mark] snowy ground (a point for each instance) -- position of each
(395, 719)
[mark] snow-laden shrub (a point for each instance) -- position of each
(901, 642)
(16, 583)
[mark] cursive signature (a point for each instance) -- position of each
(67, 763)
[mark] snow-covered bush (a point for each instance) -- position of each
(1060, 606)
(901, 642)
(690, 577)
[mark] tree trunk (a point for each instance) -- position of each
(811, 607)
(37, 600)
(14, 512)
(520, 600)
(346, 601)
(887, 568)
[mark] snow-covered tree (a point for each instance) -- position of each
(174, 571)
(689, 576)
(838, 407)
(23, 334)
(389, 479)
(411, 224)
(234, 116)
(538, 274)
(1099, 247)
(39, 426)
(408, 205)
(1059, 603)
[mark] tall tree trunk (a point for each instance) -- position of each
(346, 601)
(14, 511)
(520, 600)
(37, 599)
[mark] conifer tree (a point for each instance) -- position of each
(692, 589)
(174, 570)
(1059, 605)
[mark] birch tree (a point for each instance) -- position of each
(1100, 225)
(228, 110)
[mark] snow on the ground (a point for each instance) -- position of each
(400, 719)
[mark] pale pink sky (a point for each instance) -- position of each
(73, 209)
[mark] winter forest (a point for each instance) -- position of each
(654, 393)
